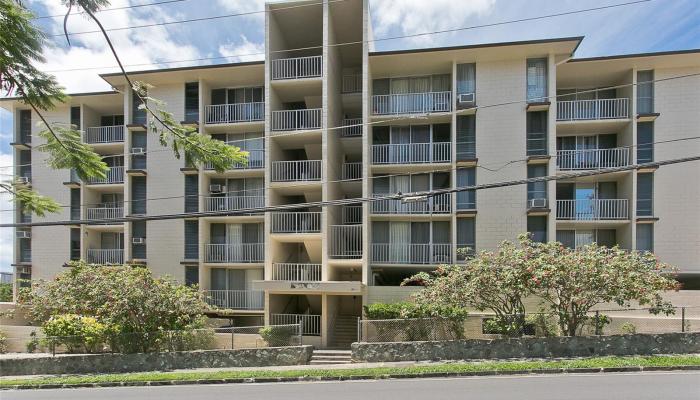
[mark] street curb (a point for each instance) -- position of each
(357, 377)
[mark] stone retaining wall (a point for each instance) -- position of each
(530, 347)
(115, 363)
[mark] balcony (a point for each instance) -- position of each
(592, 210)
(586, 110)
(411, 103)
(234, 113)
(412, 153)
(113, 175)
(346, 241)
(236, 299)
(296, 222)
(104, 134)
(232, 203)
(297, 67)
(296, 272)
(352, 127)
(296, 120)
(592, 159)
(352, 214)
(256, 160)
(105, 256)
(352, 83)
(412, 253)
(352, 171)
(234, 253)
(438, 204)
(311, 324)
(103, 213)
(295, 171)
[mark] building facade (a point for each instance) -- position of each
(327, 118)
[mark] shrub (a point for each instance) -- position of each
(542, 324)
(5, 292)
(450, 327)
(77, 333)
(3, 342)
(628, 328)
(276, 336)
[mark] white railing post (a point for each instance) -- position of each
(573, 110)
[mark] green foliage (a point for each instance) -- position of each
(439, 320)
(277, 336)
(5, 292)
(628, 328)
(67, 151)
(33, 344)
(33, 202)
(542, 324)
(3, 342)
(77, 333)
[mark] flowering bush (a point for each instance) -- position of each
(76, 332)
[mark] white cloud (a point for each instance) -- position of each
(244, 50)
(243, 6)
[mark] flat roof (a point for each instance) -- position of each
(176, 69)
(105, 92)
(636, 55)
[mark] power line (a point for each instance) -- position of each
(156, 3)
(327, 203)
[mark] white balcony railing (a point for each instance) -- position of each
(236, 299)
(256, 160)
(234, 253)
(594, 209)
(296, 222)
(411, 103)
(410, 253)
(113, 175)
(230, 203)
(412, 153)
(291, 171)
(298, 67)
(104, 212)
(296, 272)
(311, 324)
(593, 159)
(438, 204)
(234, 113)
(346, 241)
(352, 83)
(352, 171)
(575, 110)
(296, 120)
(105, 256)
(104, 134)
(351, 127)
(352, 214)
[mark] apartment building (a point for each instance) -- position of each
(341, 121)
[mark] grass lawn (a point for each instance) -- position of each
(456, 367)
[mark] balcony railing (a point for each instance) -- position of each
(105, 256)
(410, 253)
(346, 241)
(296, 272)
(412, 153)
(104, 212)
(291, 171)
(296, 120)
(114, 175)
(229, 203)
(352, 170)
(296, 222)
(594, 209)
(234, 253)
(576, 110)
(411, 103)
(298, 67)
(352, 83)
(593, 159)
(352, 214)
(438, 204)
(311, 324)
(236, 299)
(234, 113)
(352, 127)
(256, 160)
(104, 134)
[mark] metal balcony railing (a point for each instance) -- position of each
(352, 83)
(296, 222)
(296, 120)
(234, 253)
(297, 67)
(224, 203)
(411, 103)
(236, 299)
(352, 127)
(411, 253)
(412, 153)
(352, 214)
(105, 256)
(256, 160)
(438, 204)
(352, 170)
(104, 134)
(593, 159)
(291, 171)
(346, 241)
(311, 324)
(114, 175)
(576, 110)
(594, 209)
(104, 212)
(234, 113)
(296, 272)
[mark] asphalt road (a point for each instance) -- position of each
(637, 386)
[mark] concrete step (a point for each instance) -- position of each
(333, 362)
(327, 357)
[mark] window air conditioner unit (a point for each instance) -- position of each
(538, 203)
(138, 240)
(24, 234)
(138, 151)
(217, 188)
(466, 97)
(22, 180)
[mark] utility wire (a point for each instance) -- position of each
(156, 3)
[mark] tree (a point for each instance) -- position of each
(21, 45)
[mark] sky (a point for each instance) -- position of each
(655, 25)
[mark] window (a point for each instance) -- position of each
(75, 117)
(138, 115)
(75, 204)
(25, 126)
(645, 142)
(645, 195)
(466, 237)
(567, 238)
(191, 240)
(138, 195)
(139, 141)
(192, 101)
(138, 230)
(75, 244)
(645, 237)
(537, 227)
(111, 120)
(466, 200)
(191, 275)
(536, 191)
(191, 193)
(645, 92)
(537, 133)
(466, 85)
(237, 95)
(536, 80)
(25, 250)
(466, 137)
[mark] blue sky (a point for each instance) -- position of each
(656, 25)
